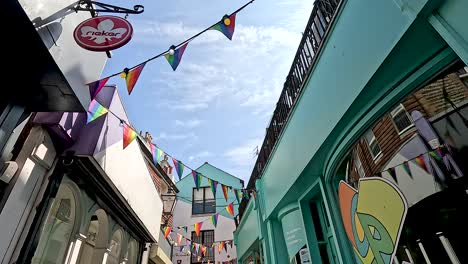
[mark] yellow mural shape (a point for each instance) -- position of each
(373, 218)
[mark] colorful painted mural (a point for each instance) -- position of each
(373, 218)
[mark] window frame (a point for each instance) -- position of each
(395, 112)
(204, 259)
(372, 141)
(360, 168)
(204, 211)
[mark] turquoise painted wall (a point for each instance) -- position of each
(248, 231)
(187, 184)
(363, 35)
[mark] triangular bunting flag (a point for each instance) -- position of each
(179, 238)
(181, 248)
(159, 154)
(197, 246)
(167, 231)
(435, 155)
(392, 173)
(197, 227)
(226, 25)
(225, 246)
(185, 228)
(407, 169)
(131, 76)
(174, 56)
(203, 250)
(214, 219)
(197, 178)
(238, 194)
(246, 194)
(220, 246)
(96, 87)
(179, 166)
(199, 257)
(188, 243)
(254, 195)
(225, 191)
(128, 135)
(95, 110)
(421, 162)
(154, 151)
(230, 209)
(213, 184)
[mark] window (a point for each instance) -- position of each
(206, 238)
(57, 229)
(373, 144)
(203, 201)
(401, 119)
(359, 167)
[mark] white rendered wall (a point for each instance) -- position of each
(128, 171)
(223, 231)
(78, 65)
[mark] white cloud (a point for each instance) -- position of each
(173, 136)
(200, 155)
(188, 123)
(248, 71)
(243, 158)
(243, 155)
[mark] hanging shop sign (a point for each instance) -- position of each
(103, 33)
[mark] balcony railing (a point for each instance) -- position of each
(315, 32)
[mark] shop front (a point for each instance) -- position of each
(402, 185)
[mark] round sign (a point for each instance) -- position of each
(103, 33)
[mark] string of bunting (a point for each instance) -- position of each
(96, 110)
(441, 155)
(191, 245)
(197, 226)
(173, 55)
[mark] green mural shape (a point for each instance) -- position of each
(378, 238)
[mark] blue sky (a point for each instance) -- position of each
(218, 103)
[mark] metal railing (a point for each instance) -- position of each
(315, 32)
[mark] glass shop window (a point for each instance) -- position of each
(420, 178)
(56, 231)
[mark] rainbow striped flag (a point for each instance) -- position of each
(230, 209)
(197, 227)
(167, 231)
(213, 184)
(226, 25)
(203, 250)
(131, 77)
(179, 166)
(159, 154)
(422, 162)
(197, 177)
(154, 153)
(128, 135)
(238, 194)
(214, 219)
(179, 238)
(225, 191)
(96, 87)
(174, 59)
(95, 110)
